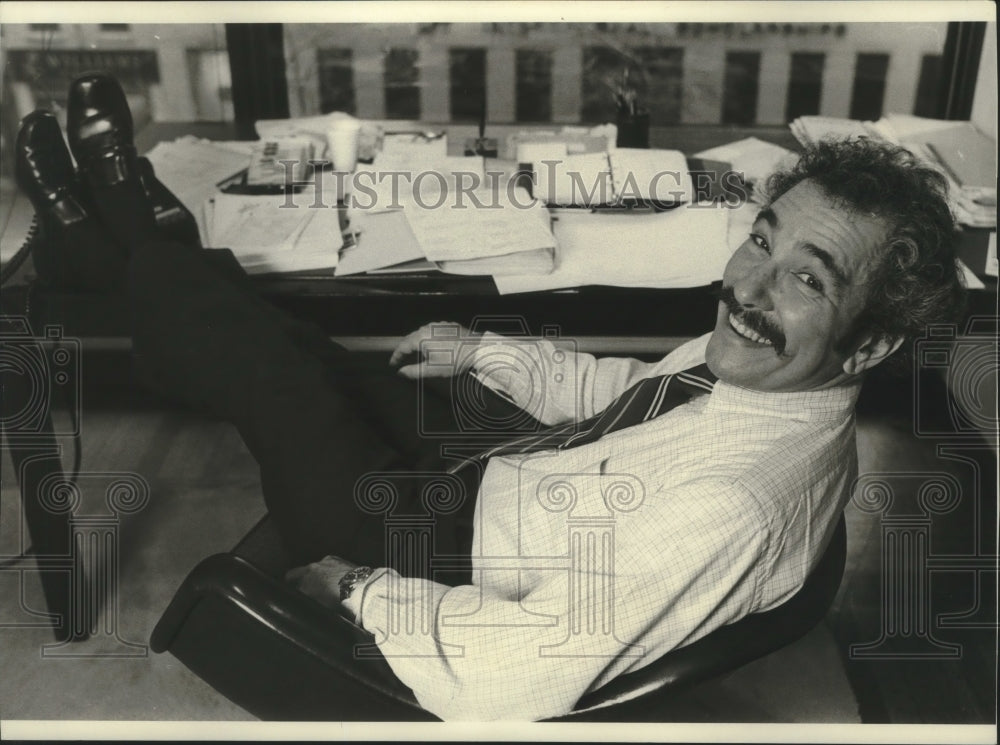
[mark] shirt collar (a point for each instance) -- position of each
(835, 403)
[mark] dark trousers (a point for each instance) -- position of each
(317, 418)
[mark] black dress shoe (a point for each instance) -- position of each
(101, 132)
(44, 170)
(72, 250)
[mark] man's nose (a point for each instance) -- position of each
(753, 289)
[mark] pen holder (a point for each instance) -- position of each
(633, 130)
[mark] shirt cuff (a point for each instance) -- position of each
(355, 603)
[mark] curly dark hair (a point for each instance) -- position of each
(916, 281)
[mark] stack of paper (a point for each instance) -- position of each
(755, 160)
(192, 169)
(811, 129)
(966, 157)
(268, 237)
(624, 175)
(685, 247)
(505, 235)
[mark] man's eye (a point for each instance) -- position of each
(760, 241)
(810, 281)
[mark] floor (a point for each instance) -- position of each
(204, 496)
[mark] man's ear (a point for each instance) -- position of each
(870, 353)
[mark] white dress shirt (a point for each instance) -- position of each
(593, 561)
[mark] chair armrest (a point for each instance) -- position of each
(320, 632)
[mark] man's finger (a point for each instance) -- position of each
(405, 347)
(423, 370)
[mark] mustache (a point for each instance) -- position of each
(753, 319)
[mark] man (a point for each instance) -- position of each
(701, 503)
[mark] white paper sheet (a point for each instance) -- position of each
(660, 175)
(266, 237)
(754, 158)
(684, 247)
(452, 233)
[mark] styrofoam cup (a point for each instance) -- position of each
(342, 142)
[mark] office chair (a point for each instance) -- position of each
(281, 655)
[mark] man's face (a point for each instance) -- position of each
(791, 292)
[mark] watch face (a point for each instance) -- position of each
(352, 579)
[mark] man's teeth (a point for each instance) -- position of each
(747, 333)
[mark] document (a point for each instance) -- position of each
(384, 240)
(641, 174)
(192, 169)
(684, 247)
(267, 237)
(623, 175)
(752, 157)
(583, 179)
(456, 233)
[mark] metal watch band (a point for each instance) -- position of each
(352, 579)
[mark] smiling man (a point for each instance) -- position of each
(739, 483)
(710, 482)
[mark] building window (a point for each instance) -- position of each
(869, 86)
(402, 93)
(740, 88)
(661, 89)
(336, 80)
(805, 85)
(467, 83)
(211, 85)
(43, 26)
(926, 103)
(533, 76)
(115, 27)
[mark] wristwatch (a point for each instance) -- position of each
(352, 579)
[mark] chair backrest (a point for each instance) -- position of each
(732, 646)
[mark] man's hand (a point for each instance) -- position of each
(321, 580)
(442, 350)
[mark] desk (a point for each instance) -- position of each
(389, 306)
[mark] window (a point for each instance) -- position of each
(533, 79)
(115, 27)
(683, 73)
(740, 88)
(43, 26)
(211, 85)
(928, 86)
(402, 94)
(467, 83)
(869, 86)
(336, 79)
(805, 85)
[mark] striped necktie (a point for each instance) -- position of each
(645, 400)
